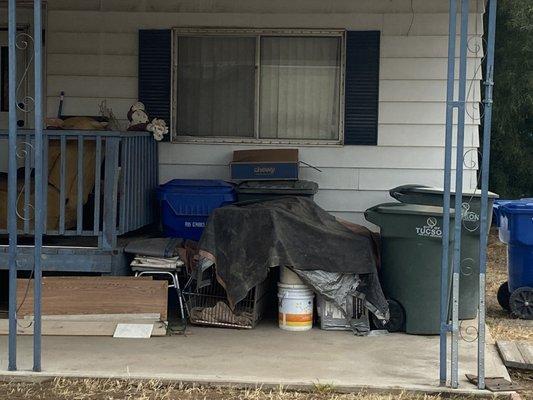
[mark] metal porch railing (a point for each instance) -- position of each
(95, 183)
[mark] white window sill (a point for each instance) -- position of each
(253, 141)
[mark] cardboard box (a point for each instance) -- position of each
(265, 164)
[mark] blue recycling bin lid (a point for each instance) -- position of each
(522, 206)
(516, 222)
(197, 186)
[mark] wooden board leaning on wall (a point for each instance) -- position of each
(95, 295)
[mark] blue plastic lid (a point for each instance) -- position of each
(197, 186)
(518, 207)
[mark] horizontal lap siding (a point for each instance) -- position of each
(92, 55)
(330, 178)
(261, 6)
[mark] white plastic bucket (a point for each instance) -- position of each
(287, 276)
(295, 307)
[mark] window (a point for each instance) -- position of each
(4, 80)
(257, 85)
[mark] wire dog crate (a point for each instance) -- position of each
(209, 306)
(333, 318)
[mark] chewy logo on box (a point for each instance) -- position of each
(264, 170)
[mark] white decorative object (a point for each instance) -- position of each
(138, 117)
(158, 127)
(138, 106)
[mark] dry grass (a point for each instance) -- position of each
(502, 325)
(91, 389)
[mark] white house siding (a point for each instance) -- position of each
(92, 55)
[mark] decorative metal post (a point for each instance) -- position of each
(445, 270)
(461, 107)
(39, 191)
(485, 161)
(12, 184)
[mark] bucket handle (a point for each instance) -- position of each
(281, 299)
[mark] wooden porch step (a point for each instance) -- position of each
(516, 354)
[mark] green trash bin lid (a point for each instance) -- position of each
(421, 189)
(408, 209)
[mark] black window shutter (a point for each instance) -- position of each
(154, 72)
(361, 88)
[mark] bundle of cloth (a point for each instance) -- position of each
(336, 259)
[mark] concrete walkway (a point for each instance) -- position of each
(263, 356)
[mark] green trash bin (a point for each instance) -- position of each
(410, 272)
(471, 207)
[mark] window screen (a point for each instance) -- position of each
(216, 86)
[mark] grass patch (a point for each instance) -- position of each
(98, 389)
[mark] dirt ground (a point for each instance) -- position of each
(502, 326)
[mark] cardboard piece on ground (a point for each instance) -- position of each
(133, 331)
(95, 295)
(516, 354)
(76, 328)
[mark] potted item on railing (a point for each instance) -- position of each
(140, 121)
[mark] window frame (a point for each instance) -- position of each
(257, 34)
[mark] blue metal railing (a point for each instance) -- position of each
(487, 123)
(118, 170)
(12, 183)
(444, 288)
(40, 204)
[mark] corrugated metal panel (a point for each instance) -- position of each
(362, 88)
(154, 71)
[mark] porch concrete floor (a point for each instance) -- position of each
(263, 356)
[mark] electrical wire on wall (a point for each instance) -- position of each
(412, 19)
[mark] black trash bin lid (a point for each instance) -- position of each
(436, 190)
(278, 187)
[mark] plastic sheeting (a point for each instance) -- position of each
(245, 241)
(339, 287)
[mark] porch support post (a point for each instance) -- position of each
(459, 192)
(485, 161)
(12, 184)
(444, 280)
(39, 193)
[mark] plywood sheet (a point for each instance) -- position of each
(516, 354)
(95, 295)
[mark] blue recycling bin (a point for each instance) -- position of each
(185, 205)
(516, 230)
